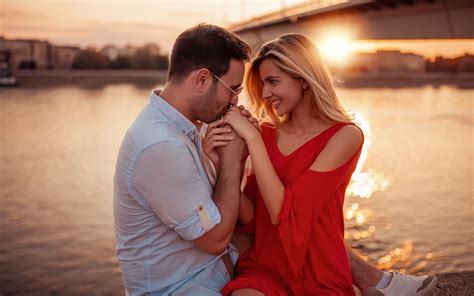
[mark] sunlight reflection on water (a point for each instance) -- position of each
(363, 185)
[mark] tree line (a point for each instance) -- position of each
(148, 56)
(463, 63)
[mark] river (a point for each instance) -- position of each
(409, 207)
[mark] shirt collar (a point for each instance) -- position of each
(182, 123)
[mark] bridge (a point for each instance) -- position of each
(365, 20)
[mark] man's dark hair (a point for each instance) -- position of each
(205, 46)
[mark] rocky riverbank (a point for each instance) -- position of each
(455, 284)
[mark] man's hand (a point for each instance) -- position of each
(226, 195)
(216, 136)
(234, 151)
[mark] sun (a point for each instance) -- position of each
(336, 49)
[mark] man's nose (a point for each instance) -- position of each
(234, 100)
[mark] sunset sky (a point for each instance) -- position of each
(96, 23)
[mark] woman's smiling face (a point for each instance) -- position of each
(281, 90)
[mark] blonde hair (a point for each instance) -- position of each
(298, 56)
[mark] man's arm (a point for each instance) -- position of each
(226, 197)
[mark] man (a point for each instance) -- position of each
(172, 229)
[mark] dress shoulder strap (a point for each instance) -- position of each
(323, 139)
(327, 134)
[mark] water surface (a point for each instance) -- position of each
(410, 206)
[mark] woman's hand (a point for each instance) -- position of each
(245, 125)
(216, 135)
(251, 119)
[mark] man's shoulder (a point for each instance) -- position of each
(145, 134)
(170, 147)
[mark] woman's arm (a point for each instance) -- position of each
(246, 212)
(269, 183)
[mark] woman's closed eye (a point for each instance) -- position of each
(273, 81)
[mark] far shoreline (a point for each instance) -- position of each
(150, 78)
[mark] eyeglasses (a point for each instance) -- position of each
(235, 93)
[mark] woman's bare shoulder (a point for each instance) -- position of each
(339, 149)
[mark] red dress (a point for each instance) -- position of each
(305, 253)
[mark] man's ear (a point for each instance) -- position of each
(202, 80)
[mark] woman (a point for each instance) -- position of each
(301, 165)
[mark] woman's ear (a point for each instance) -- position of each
(305, 84)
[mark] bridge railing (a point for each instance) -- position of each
(286, 12)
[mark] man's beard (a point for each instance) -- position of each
(223, 113)
(212, 102)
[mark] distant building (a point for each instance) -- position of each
(387, 61)
(466, 63)
(37, 54)
(41, 54)
(6, 73)
(22, 53)
(62, 57)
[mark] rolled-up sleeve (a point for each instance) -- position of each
(168, 178)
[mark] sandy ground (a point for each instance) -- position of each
(455, 284)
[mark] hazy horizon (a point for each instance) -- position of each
(87, 23)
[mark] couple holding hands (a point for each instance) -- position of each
(184, 226)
